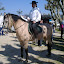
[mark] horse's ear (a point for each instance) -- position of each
(8, 14)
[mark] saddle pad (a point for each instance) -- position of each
(39, 29)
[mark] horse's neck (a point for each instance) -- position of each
(22, 29)
(19, 24)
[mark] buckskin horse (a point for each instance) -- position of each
(21, 28)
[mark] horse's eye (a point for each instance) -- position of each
(5, 16)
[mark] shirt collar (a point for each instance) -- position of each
(34, 8)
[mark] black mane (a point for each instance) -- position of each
(15, 17)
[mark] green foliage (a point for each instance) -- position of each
(1, 8)
(19, 12)
(56, 7)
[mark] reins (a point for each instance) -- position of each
(19, 18)
(19, 26)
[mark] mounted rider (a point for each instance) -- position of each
(35, 17)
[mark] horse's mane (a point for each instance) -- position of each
(16, 17)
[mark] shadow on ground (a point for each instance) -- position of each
(12, 52)
(58, 43)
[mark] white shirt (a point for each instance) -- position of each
(1, 21)
(35, 14)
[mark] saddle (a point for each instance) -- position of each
(34, 29)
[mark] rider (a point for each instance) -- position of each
(35, 16)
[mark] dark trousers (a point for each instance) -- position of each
(61, 33)
(0, 30)
(33, 28)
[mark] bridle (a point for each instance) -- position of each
(17, 27)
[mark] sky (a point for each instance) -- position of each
(12, 6)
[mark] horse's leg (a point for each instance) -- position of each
(21, 51)
(49, 47)
(26, 50)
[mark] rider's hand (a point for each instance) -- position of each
(41, 21)
(34, 21)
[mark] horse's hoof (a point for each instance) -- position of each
(25, 62)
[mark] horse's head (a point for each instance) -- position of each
(8, 21)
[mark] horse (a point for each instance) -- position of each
(21, 28)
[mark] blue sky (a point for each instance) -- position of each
(11, 6)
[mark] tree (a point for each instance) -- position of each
(56, 7)
(19, 12)
(1, 8)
